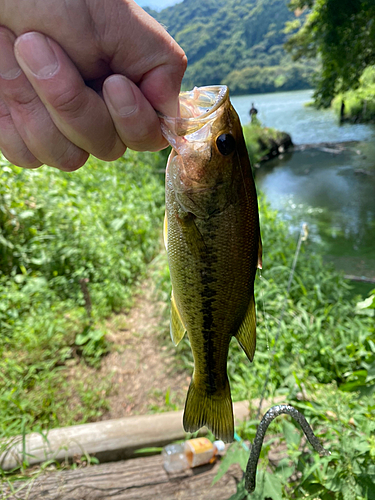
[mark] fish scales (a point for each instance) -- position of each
(213, 243)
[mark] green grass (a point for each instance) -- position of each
(100, 223)
(326, 349)
(322, 336)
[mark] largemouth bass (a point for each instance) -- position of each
(213, 243)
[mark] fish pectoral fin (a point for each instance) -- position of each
(246, 334)
(192, 235)
(165, 231)
(215, 411)
(178, 329)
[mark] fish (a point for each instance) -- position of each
(213, 242)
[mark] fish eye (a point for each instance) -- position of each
(226, 144)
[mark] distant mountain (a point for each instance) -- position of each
(236, 42)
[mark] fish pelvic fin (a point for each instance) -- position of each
(246, 334)
(178, 329)
(215, 411)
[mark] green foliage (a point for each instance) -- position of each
(346, 426)
(342, 34)
(101, 224)
(238, 43)
(359, 103)
(322, 338)
(93, 345)
(326, 350)
(367, 306)
(278, 78)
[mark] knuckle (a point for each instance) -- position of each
(26, 102)
(147, 140)
(70, 102)
(21, 158)
(72, 160)
(111, 149)
(177, 62)
(181, 62)
(4, 112)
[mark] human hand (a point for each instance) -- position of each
(80, 77)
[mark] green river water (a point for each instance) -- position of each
(331, 187)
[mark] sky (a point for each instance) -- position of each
(157, 4)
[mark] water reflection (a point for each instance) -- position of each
(335, 194)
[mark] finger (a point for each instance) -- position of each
(31, 123)
(11, 144)
(135, 119)
(157, 64)
(161, 86)
(77, 111)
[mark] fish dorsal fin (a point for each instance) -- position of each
(260, 253)
(178, 329)
(165, 231)
(246, 334)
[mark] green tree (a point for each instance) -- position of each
(342, 34)
(243, 37)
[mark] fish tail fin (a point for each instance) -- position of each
(215, 411)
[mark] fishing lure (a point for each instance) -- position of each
(272, 413)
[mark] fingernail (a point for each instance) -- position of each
(9, 68)
(37, 54)
(121, 95)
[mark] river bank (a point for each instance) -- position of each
(359, 104)
(264, 143)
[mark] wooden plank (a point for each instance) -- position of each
(109, 440)
(134, 479)
(359, 278)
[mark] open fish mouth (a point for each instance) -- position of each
(198, 109)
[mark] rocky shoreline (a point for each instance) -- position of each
(274, 146)
(284, 143)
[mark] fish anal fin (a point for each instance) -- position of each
(178, 329)
(246, 334)
(215, 411)
(260, 251)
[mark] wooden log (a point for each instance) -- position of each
(359, 278)
(109, 440)
(135, 479)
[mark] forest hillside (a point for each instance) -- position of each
(236, 42)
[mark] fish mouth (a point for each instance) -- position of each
(197, 108)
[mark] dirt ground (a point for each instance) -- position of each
(141, 365)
